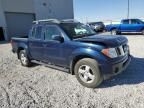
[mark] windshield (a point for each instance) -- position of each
(77, 30)
(141, 22)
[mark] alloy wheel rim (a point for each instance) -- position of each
(113, 32)
(86, 74)
(23, 59)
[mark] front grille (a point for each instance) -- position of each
(122, 50)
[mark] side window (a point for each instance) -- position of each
(32, 33)
(38, 32)
(125, 21)
(51, 31)
(134, 22)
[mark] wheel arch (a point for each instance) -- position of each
(113, 28)
(142, 28)
(18, 51)
(21, 46)
(76, 59)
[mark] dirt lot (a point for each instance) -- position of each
(42, 87)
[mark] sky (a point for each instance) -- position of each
(97, 10)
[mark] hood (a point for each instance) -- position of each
(107, 40)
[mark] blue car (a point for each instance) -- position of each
(128, 26)
(73, 47)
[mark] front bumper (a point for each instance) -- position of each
(117, 68)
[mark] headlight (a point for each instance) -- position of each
(110, 52)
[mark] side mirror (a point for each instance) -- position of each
(58, 38)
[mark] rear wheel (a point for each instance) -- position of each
(87, 73)
(114, 32)
(119, 33)
(24, 58)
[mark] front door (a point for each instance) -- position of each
(136, 25)
(125, 26)
(53, 49)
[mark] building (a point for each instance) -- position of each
(16, 16)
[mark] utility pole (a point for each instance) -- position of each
(128, 9)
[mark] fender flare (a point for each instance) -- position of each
(22, 46)
(82, 53)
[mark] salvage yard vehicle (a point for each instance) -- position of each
(73, 47)
(97, 26)
(127, 25)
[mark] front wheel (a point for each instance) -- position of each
(114, 32)
(87, 73)
(24, 58)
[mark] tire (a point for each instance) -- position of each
(24, 59)
(114, 32)
(87, 73)
(119, 33)
(143, 32)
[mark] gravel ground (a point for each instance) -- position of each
(42, 87)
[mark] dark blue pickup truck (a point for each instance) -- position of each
(73, 47)
(127, 25)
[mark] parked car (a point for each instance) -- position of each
(127, 25)
(73, 47)
(97, 26)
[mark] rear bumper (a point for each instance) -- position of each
(116, 69)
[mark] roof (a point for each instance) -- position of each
(95, 22)
(56, 21)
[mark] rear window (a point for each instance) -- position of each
(125, 21)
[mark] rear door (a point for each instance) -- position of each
(36, 43)
(125, 26)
